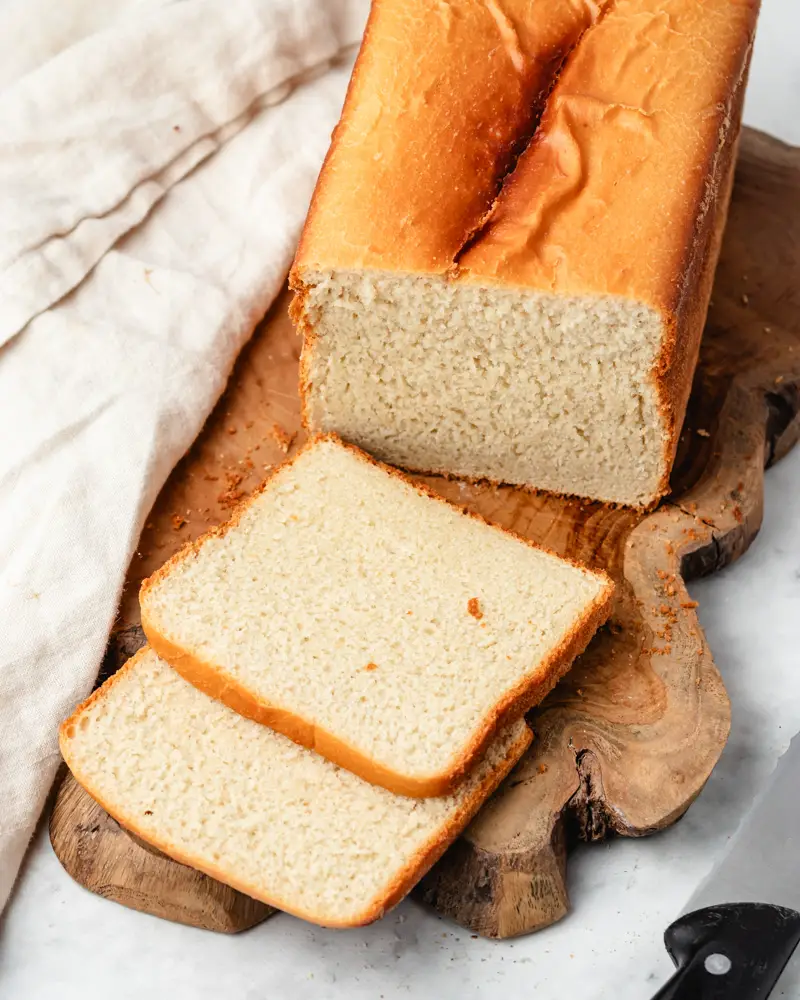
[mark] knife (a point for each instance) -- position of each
(741, 926)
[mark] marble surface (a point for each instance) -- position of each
(58, 940)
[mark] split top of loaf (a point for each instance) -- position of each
(369, 620)
(249, 807)
(508, 259)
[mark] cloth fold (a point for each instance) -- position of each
(155, 170)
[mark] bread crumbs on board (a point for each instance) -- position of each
(231, 495)
(283, 439)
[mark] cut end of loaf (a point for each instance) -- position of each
(249, 807)
(547, 392)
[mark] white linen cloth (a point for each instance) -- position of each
(156, 163)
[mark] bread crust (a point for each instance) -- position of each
(212, 679)
(676, 365)
(397, 887)
(622, 190)
(467, 125)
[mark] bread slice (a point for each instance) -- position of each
(360, 616)
(249, 807)
(507, 263)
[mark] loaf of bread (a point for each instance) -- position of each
(249, 807)
(375, 623)
(507, 263)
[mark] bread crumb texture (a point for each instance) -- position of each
(338, 564)
(518, 387)
(240, 801)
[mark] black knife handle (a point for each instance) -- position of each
(735, 951)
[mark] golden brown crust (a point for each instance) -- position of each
(675, 370)
(619, 192)
(448, 136)
(399, 887)
(607, 198)
(299, 316)
(213, 680)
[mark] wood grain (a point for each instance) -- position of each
(627, 741)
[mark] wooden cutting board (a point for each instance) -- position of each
(628, 739)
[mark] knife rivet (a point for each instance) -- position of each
(717, 964)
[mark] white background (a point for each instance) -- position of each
(59, 941)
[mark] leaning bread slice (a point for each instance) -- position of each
(247, 806)
(368, 620)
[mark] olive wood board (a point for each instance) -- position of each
(628, 739)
